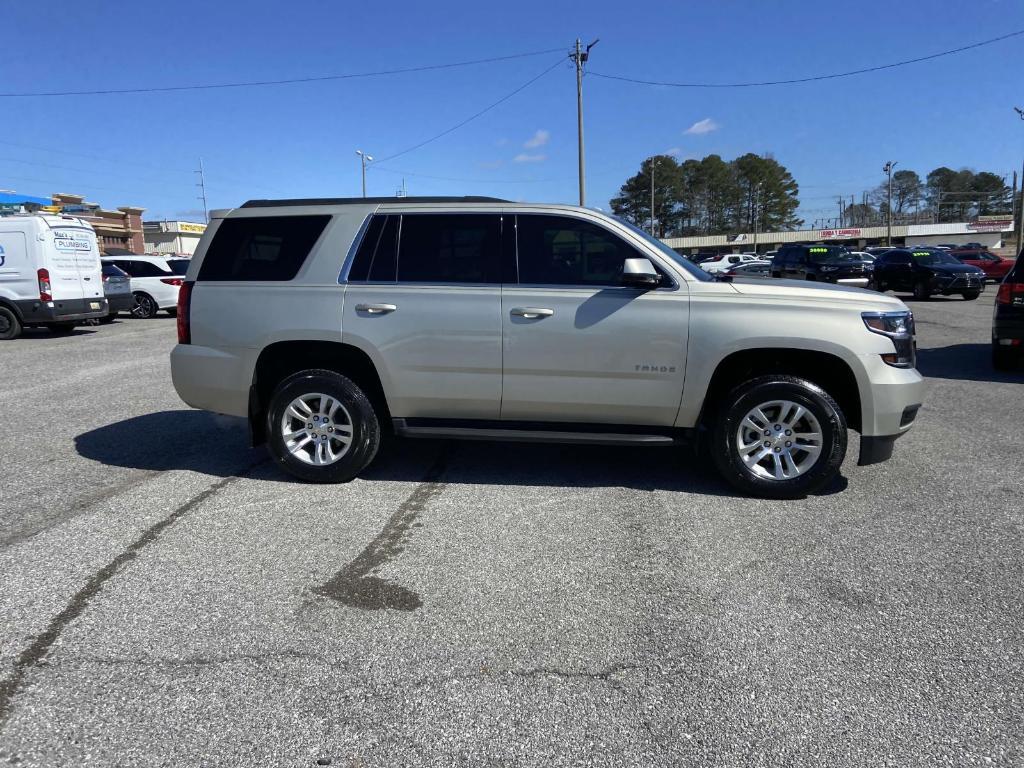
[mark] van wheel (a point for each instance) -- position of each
(144, 306)
(779, 437)
(321, 427)
(10, 325)
(921, 291)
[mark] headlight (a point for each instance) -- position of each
(898, 326)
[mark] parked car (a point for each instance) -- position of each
(769, 255)
(821, 263)
(325, 321)
(117, 289)
(994, 267)
(155, 281)
(49, 273)
(864, 256)
(1008, 320)
(725, 262)
(927, 272)
(750, 269)
(877, 251)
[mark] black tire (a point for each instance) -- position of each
(108, 319)
(764, 389)
(173, 311)
(970, 295)
(364, 425)
(10, 325)
(776, 274)
(921, 291)
(145, 306)
(62, 328)
(1004, 358)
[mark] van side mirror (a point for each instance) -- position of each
(639, 273)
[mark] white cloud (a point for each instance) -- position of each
(525, 157)
(539, 139)
(707, 125)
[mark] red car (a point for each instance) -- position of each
(994, 267)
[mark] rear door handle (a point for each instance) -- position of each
(376, 309)
(532, 312)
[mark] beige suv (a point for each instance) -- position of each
(326, 321)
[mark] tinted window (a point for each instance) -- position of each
(178, 266)
(554, 250)
(109, 270)
(377, 256)
(449, 248)
(261, 248)
(141, 269)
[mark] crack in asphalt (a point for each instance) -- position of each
(198, 661)
(35, 654)
(355, 585)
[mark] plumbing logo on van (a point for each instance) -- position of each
(70, 242)
(3, 256)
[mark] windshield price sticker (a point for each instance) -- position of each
(920, 254)
(70, 241)
(818, 250)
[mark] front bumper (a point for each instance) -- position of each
(959, 285)
(36, 312)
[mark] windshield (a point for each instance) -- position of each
(930, 258)
(680, 261)
(822, 254)
(178, 266)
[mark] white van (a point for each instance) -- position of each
(50, 273)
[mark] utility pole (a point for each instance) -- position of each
(1020, 222)
(579, 57)
(364, 159)
(842, 212)
(652, 198)
(888, 202)
(757, 200)
(202, 193)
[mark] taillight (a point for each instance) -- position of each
(45, 292)
(106, 278)
(184, 307)
(1010, 293)
(171, 280)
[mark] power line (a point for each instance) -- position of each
(814, 78)
(288, 81)
(472, 117)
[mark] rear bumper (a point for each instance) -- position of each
(121, 302)
(36, 312)
(212, 379)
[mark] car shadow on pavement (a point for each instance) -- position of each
(970, 362)
(184, 439)
(219, 445)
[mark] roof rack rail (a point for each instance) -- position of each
(367, 201)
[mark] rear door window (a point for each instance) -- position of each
(448, 248)
(261, 248)
(377, 256)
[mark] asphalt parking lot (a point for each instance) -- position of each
(169, 598)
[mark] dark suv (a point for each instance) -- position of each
(824, 263)
(1008, 320)
(926, 272)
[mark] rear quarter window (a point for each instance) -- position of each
(261, 248)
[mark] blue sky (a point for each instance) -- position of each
(300, 140)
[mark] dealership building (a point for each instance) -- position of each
(990, 231)
(178, 237)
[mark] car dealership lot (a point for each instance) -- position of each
(169, 597)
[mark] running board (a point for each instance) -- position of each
(563, 434)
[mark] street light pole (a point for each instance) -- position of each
(888, 202)
(579, 57)
(652, 198)
(364, 159)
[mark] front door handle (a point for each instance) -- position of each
(532, 313)
(376, 309)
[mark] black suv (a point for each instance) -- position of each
(1008, 319)
(927, 272)
(824, 263)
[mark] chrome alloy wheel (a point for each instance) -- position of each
(316, 429)
(779, 440)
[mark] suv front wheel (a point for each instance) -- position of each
(779, 437)
(322, 427)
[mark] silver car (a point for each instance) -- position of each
(325, 322)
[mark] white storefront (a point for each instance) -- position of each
(179, 237)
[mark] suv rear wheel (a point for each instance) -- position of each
(322, 427)
(779, 437)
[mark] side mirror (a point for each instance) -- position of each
(639, 273)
